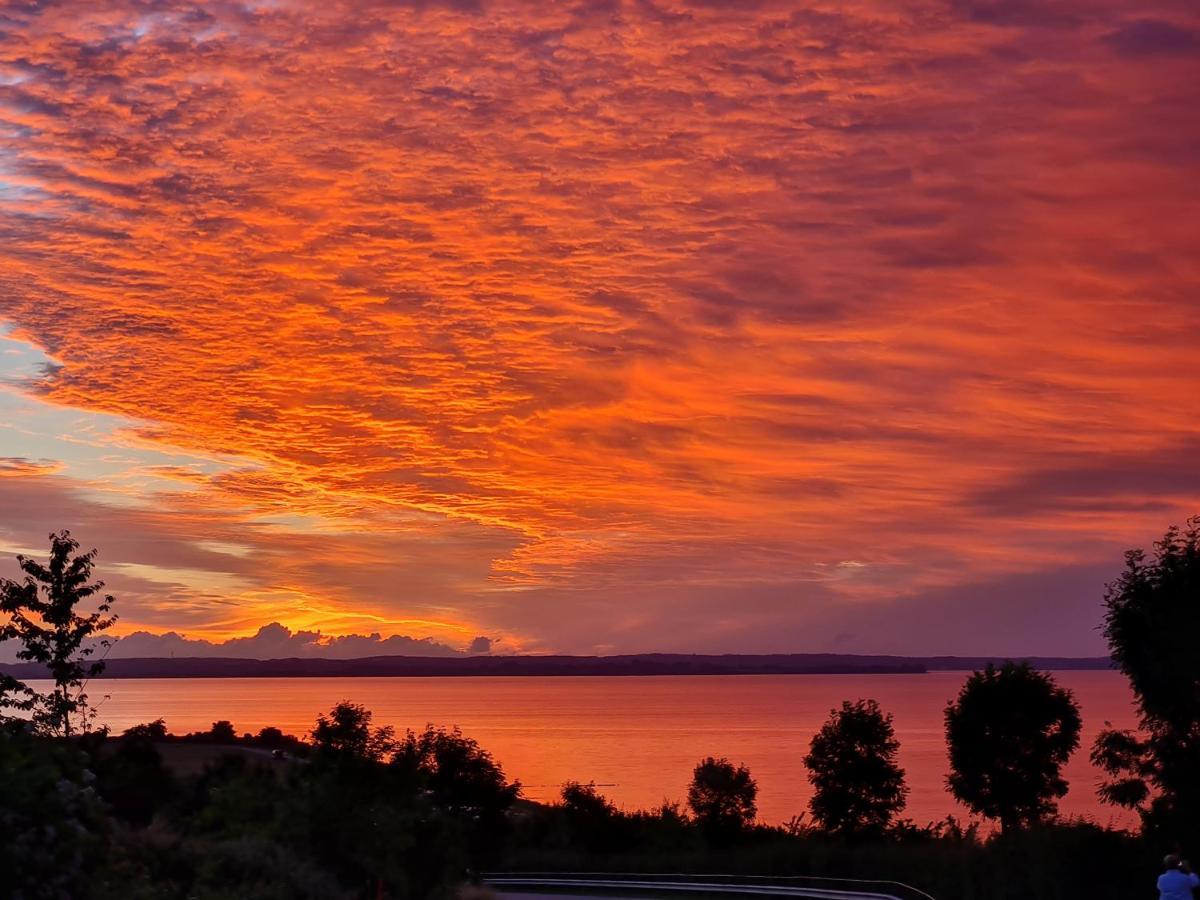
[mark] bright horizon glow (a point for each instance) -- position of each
(612, 328)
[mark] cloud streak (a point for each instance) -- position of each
(473, 315)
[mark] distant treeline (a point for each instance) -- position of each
(630, 665)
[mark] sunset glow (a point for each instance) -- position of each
(602, 327)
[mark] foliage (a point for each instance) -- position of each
(131, 776)
(585, 830)
(463, 783)
(352, 817)
(585, 802)
(346, 823)
(223, 734)
(1151, 623)
(272, 737)
(15, 694)
(42, 614)
(52, 825)
(358, 821)
(404, 825)
(592, 821)
(852, 766)
(147, 731)
(232, 797)
(350, 826)
(459, 775)
(346, 732)
(160, 864)
(1009, 733)
(723, 797)
(1130, 765)
(1054, 861)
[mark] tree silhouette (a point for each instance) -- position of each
(270, 736)
(851, 763)
(584, 801)
(347, 733)
(43, 616)
(722, 796)
(1009, 734)
(1153, 613)
(462, 782)
(458, 774)
(592, 821)
(354, 810)
(147, 731)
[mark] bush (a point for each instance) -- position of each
(52, 824)
(132, 779)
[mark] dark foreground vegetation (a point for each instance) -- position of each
(352, 810)
(359, 813)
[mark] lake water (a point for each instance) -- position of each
(639, 737)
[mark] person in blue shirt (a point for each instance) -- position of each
(1178, 881)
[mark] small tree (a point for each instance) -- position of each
(851, 763)
(1009, 734)
(346, 810)
(346, 733)
(147, 731)
(591, 819)
(584, 801)
(462, 783)
(1152, 619)
(722, 796)
(43, 616)
(131, 776)
(270, 736)
(460, 776)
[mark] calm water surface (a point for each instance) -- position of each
(640, 736)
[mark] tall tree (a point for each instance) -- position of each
(43, 615)
(852, 766)
(722, 796)
(1152, 625)
(1009, 734)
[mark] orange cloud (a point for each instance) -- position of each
(590, 310)
(17, 467)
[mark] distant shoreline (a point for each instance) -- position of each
(640, 665)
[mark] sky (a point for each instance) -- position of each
(601, 327)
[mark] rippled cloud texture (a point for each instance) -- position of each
(603, 326)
